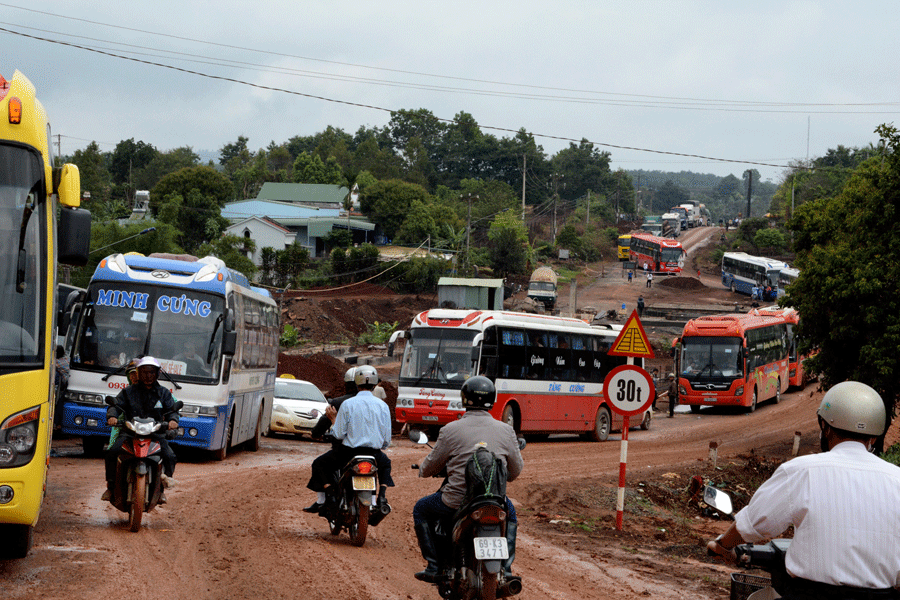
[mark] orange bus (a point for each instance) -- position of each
(548, 371)
(733, 360)
(660, 255)
(796, 373)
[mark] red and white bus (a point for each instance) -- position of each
(548, 371)
(796, 373)
(736, 359)
(661, 255)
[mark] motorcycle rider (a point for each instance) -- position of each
(324, 423)
(456, 442)
(363, 426)
(146, 399)
(842, 502)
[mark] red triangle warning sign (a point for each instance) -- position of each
(632, 341)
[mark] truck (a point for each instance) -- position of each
(542, 287)
(682, 213)
(671, 225)
(693, 213)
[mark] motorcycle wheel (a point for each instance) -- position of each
(488, 583)
(359, 526)
(136, 510)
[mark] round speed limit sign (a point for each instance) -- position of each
(629, 390)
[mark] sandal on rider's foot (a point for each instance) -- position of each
(107, 496)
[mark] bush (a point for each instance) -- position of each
(892, 454)
(378, 333)
(290, 337)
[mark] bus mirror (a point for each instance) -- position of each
(394, 337)
(229, 319)
(68, 187)
(74, 238)
(475, 354)
(229, 343)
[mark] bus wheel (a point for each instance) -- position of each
(602, 425)
(752, 406)
(254, 442)
(509, 416)
(778, 392)
(645, 422)
(222, 452)
(17, 541)
(695, 408)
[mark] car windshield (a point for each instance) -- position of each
(298, 390)
(711, 357)
(22, 259)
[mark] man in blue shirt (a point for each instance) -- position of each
(363, 424)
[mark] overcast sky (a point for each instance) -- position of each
(659, 85)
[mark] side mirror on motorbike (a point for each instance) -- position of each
(417, 437)
(717, 499)
(110, 400)
(179, 405)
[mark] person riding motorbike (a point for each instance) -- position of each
(147, 399)
(363, 426)
(842, 502)
(457, 442)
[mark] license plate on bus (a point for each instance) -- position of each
(364, 483)
(429, 418)
(491, 548)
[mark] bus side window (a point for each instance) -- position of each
(537, 364)
(512, 359)
(581, 358)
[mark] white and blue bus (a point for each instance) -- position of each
(741, 272)
(215, 336)
(786, 277)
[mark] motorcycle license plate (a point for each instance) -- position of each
(491, 548)
(364, 483)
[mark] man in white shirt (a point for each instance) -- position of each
(844, 504)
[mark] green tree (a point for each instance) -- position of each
(195, 197)
(126, 160)
(769, 239)
(95, 178)
(163, 164)
(508, 244)
(848, 291)
(418, 225)
(309, 168)
(387, 203)
(667, 196)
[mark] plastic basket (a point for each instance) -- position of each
(743, 584)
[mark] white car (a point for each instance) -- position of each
(297, 406)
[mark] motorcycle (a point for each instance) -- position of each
(138, 484)
(350, 503)
(769, 557)
(473, 547)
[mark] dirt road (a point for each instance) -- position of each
(234, 530)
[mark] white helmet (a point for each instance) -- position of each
(855, 407)
(348, 376)
(365, 375)
(148, 361)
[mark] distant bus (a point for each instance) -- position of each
(548, 371)
(741, 272)
(733, 360)
(137, 306)
(661, 255)
(786, 277)
(796, 373)
(624, 244)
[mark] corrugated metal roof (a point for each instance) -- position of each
(312, 193)
(466, 281)
(277, 211)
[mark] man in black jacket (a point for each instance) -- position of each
(146, 399)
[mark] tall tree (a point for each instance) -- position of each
(848, 291)
(508, 244)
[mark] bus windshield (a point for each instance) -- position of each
(711, 357)
(22, 258)
(670, 255)
(437, 356)
(183, 329)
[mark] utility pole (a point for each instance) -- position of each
(469, 226)
(524, 158)
(556, 178)
(587, 221)
(749, 175)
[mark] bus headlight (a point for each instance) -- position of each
(6, 494)
(740, 391)
(97, 399)
(18, 437)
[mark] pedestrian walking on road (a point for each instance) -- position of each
(649, 279)
(640, 306)
(630, 275)
(673, 394)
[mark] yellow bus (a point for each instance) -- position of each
(624, 247)
(40, 223)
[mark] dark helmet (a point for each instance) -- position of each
(478, 393)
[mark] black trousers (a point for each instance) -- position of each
(325, 465)
(804, 589)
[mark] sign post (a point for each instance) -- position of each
(629, 391)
